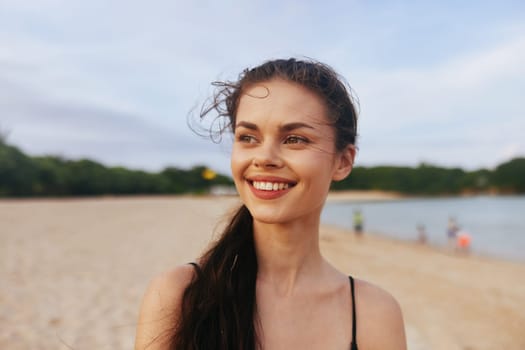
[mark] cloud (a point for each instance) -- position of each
(41, 125)
(512, 150)
(469, 106)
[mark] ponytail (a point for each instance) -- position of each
(218, 307)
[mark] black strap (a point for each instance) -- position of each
(353, 346)
(197, 268)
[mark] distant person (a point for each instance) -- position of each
(463, 241)
(421, 234)
(358, 221)
(264, 283)
(452, 231)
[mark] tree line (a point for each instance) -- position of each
(507, 178)
(23, 176)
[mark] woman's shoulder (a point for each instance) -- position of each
(174, 280)
(166, 289)
(378, 313)
(160, 304)
(375, 298)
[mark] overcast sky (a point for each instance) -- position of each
(114, 81)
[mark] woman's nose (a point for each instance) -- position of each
(267, 156)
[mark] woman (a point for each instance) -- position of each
(264, 283)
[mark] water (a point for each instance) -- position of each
(496, 224)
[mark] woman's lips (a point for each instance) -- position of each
(270, 188)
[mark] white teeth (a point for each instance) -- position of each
(270, 186)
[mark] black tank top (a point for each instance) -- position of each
(353, 345)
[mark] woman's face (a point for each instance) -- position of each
(283, 158)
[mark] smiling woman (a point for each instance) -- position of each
(285, 138)
(264, 284)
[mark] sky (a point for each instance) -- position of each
(440, 82)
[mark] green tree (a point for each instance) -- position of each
(51, 176)
(509, 177)
(17, 172)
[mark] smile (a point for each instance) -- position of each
(270, 186)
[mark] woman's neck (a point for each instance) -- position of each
(288, 255)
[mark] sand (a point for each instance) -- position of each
(72, 273)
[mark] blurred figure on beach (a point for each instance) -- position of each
(452, 231)
(421, 234)
(463, 241)
(358, 222)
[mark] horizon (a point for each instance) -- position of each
(219, 172)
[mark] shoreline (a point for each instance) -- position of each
(361, 196)
(442, 249)
(332, 195)
(75, 270)
(496, 235)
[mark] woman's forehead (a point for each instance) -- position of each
(277, 86)
(281, 97)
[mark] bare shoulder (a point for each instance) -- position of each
(169, 286)
(379, 318)
(160, 305)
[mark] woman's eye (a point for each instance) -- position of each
(246, 139)
(293, 139)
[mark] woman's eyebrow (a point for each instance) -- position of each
(295, 126)
(284, 127)
(247, 125)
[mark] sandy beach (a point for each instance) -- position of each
(72, 273)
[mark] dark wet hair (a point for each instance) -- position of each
(218, 309)
(315, 76)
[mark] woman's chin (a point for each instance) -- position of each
(270, 216)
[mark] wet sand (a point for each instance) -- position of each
(72, 273)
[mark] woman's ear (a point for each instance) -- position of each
(345, 163)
